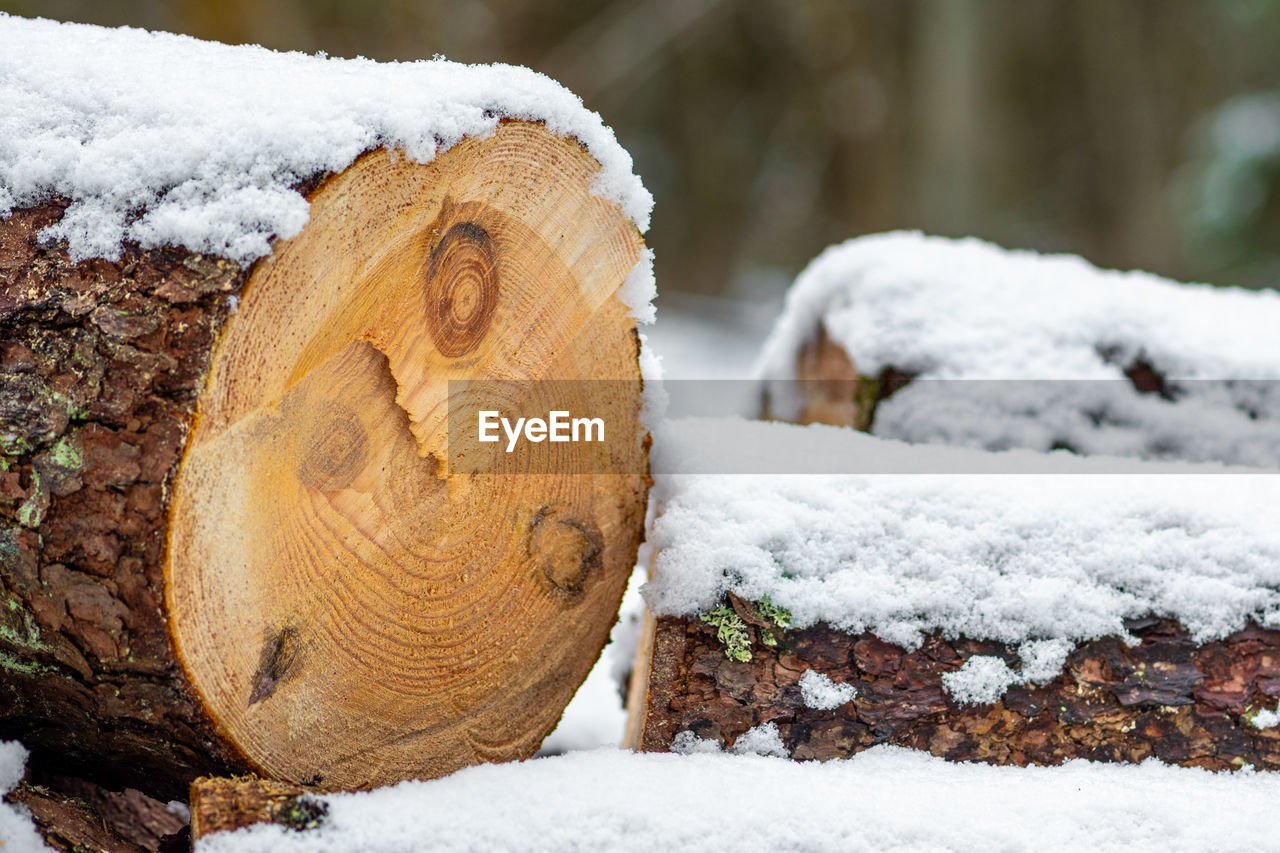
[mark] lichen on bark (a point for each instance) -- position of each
(101, 365)
(1168, 697)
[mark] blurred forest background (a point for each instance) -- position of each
(1139, 133)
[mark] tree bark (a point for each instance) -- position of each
(230, 539)
(1181, 702)
(133, 816)
(70, 824)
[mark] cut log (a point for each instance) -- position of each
(1008, 619)
(224, 804)
(1167, 698)
(229, 538)
(937, 341)
(831, 390)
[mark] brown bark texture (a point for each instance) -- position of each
(1168, 697)
(130, 814)
(73, 824)
(101, 364)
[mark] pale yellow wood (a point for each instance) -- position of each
(351, 612)
(638, 685)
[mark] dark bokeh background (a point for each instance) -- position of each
(1140, 133)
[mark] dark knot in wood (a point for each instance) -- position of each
(336, 450)
(565, 549)
(462, 289)
(279, 654)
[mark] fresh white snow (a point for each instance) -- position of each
(984, 678)
(1066, 555)
(966, 310)
(206, 140)
(640, 288)
(1266, 719)
(819, 692)
(763, 739)
(884, 799)
(688, 743)
(17, 832)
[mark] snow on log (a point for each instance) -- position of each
(927, 339)
(234, 285)
(1105, 609)
(883, 799)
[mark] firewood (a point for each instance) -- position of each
(222, 804)
(1168, 698)
(231, 537)
(1004, 618)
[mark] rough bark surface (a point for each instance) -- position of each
(221, 805)
(101, 364)
(70, 824)
(130, 814)
(1181, 702)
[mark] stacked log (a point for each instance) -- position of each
(1169, 697)
(231, 540)
(878, 331)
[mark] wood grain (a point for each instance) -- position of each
(230, 539)
(352, 612)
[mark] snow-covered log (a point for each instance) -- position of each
(926, 339)
(234, 285)
(1105, 609)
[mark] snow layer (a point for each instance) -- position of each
(819, 692)
(1266, 719)
(640, 288)
(688, 743)
(206, 140)
(984, 678)
(17, 832)
(763, 739)
(885, 799)
(1066, 555)
(967, 310)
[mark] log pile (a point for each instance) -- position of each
(929, 340)
(927, 311)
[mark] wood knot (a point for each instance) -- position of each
(336, 451)
(462, 289)
(279, 653)
(564, 549)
